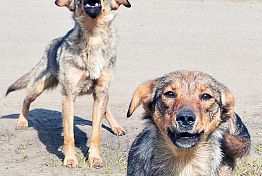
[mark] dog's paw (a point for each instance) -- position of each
(118, 130)
(96, 161)
(21, 123)
(70, 161)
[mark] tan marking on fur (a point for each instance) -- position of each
(99, 111)
(203, 88)
(94, 156)
(142, 95)
(68, 3)
(228, 101)
(116, 4)
(68, 123)
(212, 126)
(161, 125)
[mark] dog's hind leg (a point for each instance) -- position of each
(34, 90)
(116, 128)
(32, 94)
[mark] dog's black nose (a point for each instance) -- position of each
(185, 119)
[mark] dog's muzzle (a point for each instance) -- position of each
(184, 140)
(183, 136)
(92, 7)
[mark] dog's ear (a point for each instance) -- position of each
(65, 3)
(143, 95)
(116, 4)
(228, 103)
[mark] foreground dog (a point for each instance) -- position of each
(192, 129)
(82, 62)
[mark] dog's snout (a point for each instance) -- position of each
(186, 119)
(92, 7)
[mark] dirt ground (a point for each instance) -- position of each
(222, 38)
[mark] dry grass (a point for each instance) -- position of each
(115, 161)
(251, 167)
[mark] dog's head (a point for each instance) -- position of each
(92, 8)
(186, 106)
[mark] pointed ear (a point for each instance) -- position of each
(116, 4)
(228, 103)
(143, 95)
(68, 3)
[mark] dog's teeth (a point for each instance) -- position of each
(88, 5)
(96, 4)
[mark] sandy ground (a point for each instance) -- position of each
(222, 38)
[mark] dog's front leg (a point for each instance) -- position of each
(101, 96)
(68, 123)
(99, 110)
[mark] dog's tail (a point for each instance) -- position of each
(23, 81)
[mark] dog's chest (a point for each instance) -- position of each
(86, 87)
(97, 53)
(202, 163)
(76, 80)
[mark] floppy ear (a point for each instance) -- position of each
(68, 3)
(143, 95)
(228, 103)
(116, 4)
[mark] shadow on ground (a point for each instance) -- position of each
(49, 127)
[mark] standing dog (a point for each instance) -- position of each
(82, 62)
(192, 129)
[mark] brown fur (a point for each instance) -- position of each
(235, 146)
(82, 62)
(157, 152)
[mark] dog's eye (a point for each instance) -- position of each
(170, 94)
(206, 97)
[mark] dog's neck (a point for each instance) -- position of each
(202, 160)
(87, 23)
(95, 39)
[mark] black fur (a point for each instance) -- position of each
(141, 153)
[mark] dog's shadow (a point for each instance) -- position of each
(49, 127)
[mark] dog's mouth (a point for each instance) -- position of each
(184, 140)
(92, 7)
